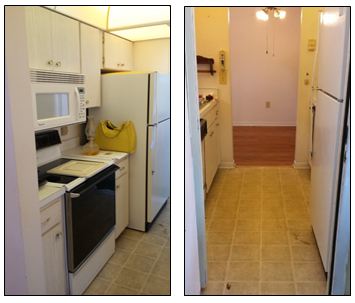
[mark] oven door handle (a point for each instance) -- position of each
(74, 195)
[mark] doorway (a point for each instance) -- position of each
(264, 74)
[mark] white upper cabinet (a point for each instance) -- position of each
(91, 60)
(118, 53)
(53, 41)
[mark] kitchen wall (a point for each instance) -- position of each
(258, 77)
(309, 29)
(152, 55)
(212, 35)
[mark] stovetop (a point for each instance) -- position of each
(42, 171)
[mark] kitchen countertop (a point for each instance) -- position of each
(207, 106)
(48, 193)
(76, 153)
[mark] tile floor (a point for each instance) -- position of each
(141, 263)
(259, 237)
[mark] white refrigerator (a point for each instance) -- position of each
(143, 98)
(333, 64)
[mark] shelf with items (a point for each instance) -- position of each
(205, 61)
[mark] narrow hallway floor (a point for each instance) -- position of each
(259, 236)
(140, 264)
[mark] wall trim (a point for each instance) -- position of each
(227, 164)
(301, 165)
(264, 124)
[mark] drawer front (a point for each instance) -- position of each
(124, 167)
(51, 216)
(211, 117)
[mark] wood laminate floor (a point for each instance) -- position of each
(264, 145)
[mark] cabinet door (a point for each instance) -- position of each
(211, 155)
(54, 260)
(118, 53)
(122, 204)
(91, 57)
(65, 44)
(38, 28)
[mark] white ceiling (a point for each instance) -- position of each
(134, 23)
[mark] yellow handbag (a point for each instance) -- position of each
(117, 138)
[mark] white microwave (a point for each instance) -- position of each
(58, 99)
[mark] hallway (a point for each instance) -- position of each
(259, 236)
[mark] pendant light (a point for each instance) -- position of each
(264, 13)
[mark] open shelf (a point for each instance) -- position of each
(205, 61)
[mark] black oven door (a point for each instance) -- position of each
(90, 215)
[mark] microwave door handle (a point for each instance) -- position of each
(78, 100)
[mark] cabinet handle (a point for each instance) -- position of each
(58, 64)
(117, 186)
(87, 101)
(122, 168)
(217, 124)
(153, 172)
(118, 64)
(58, 235)
(122, 64)
(50, 62)
(211, 134)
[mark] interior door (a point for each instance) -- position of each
(323, 174)
(159, 168)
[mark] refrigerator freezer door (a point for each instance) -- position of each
(158, 174)
(159, 100)
(324, 171)
(333, 35)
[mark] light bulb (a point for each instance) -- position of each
(328, 18)
(282, 14)
(261, 15)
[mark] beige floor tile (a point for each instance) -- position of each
(219, 237)
(275, 253)
(154, 239)
(228, 195)
(273, 225)
(242, 288)
(273, 213)
(109, 272)
(311, 288)
(97, 287)
(131, 279)
(245, 253)
(243, 271)
(274, 238)
(299, 224)
(277, 288)
(248, 225)
(119, 290)
(296, 203)
(250, 202)
(225, 212)
(161, 230)
(247, 237)
(249, 212)
(132, 234)
(228, 202)
(120, 257)
(231, 189)
(148, 250)
(222, 225)
(249, 195)
(139, 263)
(276, 271)
(216, 271)
(156, 286)
(218, 252)
(305, 253)
(162, 268)
(213, 288)
(126, 243)
(301, 237)
(272, 203)
(305, 272)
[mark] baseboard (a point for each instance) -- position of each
(281, 124)
(301, 165)
(227, 164)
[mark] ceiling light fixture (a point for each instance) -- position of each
(264, 13)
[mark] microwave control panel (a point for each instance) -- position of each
(82, 104)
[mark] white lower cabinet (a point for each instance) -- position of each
(53, 245)
(122, 197)
(211, 155)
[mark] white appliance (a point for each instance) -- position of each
(57, 98)
(333, 63)
(143, 98)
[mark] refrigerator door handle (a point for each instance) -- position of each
(313, 109)
(154, 135)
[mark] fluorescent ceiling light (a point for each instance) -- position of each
(329, 18)
(145, 33)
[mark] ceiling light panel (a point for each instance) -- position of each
(145, 33)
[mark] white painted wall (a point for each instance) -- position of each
(212, 35)
(152, 55)
(258, 77)
(22, 221)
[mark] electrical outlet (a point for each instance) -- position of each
(267, 104)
